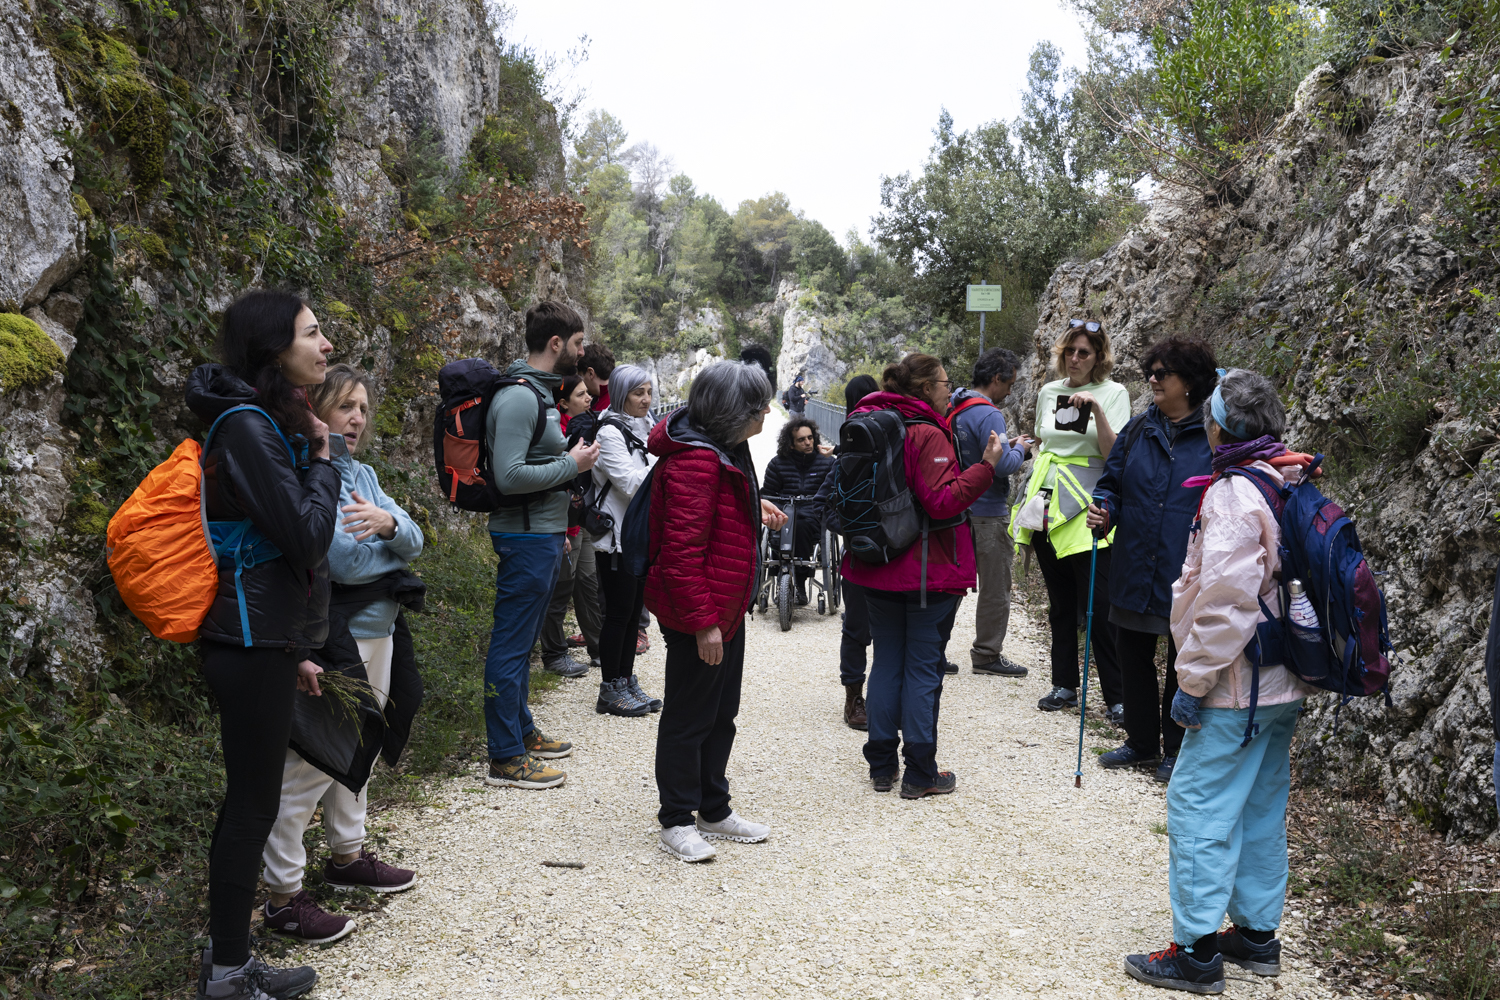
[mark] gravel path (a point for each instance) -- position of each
(1017, 883)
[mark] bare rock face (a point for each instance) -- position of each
(805, 344)
(1344, 206)
(38, 241)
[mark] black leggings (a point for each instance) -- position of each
(623, 597)
(254, 689)
(1148, 708)
(696, 732)
(1067, 598)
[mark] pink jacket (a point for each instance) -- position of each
(1231, 562)
(943, 492)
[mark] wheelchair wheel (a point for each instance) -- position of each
(763, 582)
(822, 604)
(784, 590)
(831, 567)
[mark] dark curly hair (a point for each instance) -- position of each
(789, 430)
(1191, 358)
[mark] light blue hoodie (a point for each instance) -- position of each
(355, 562)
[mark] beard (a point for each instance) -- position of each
(567, 364)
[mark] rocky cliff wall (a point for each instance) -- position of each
(1329, 266)
(393, 70)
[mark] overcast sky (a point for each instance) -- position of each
(812, 98)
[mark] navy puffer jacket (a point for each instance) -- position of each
(1149, 508)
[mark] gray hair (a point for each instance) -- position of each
(1251, 405)
(624, 380)
(725, 398)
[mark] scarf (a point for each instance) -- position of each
(1263, 449)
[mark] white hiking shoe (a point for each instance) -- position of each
(684, 844)
(736, 828)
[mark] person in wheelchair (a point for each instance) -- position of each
(801, 464)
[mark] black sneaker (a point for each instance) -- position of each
(1116, 716)
(1002, 667)
(949, 667)
(946, 781)
(883, 782)
(1164, 769)
(1261, 959)
(565, 666)
(279, 984)
(1058, 699)
(1175, 969)
(1125, 756)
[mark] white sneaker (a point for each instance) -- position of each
(736, 828)
(684, 844)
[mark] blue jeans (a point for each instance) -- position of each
(524, 583)
(906, 680)
(1226, 822)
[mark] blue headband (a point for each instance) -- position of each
(1220, 413)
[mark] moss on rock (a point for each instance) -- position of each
(27, 355)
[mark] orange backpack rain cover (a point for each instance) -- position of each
(158, 552)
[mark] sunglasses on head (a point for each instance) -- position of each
(1158, 373)
(1092, 326)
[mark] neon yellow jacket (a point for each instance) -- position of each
(1067, 530)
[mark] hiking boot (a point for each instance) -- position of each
(734, 827)
(652, 704)
(949, 667)
(801, 595)
(577, 641)
(565, 666)
(538, 745)
(524, 771)
(279, 984)
(1116, 716)
(1261, 959)
(1164, 769)
(946, 780)
(240, 986)
(883, 782)
(616, 698)
(1125, 756)
(368, 872)
(1002, 666)
(1058, 699)
(306, 921)
(1174, 969)
(595, 663)
(642, 643)
(855, 716)
(685, 843)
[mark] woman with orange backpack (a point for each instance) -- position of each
(271, 499)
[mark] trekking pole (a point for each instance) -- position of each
(1088, 635)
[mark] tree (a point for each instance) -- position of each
(600, 144)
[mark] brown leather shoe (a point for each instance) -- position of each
(854, 707)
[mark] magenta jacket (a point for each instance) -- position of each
(942, 491)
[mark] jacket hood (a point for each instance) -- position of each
(675, 434)
(213, 388)
(543, 380)
(907, 406)
(963, 394)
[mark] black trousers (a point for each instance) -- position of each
(1148, 709)
(623, 597)
(697, 729)
(1067, 582)
(254, 689)
(855, 641)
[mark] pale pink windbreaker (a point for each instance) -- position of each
(1232, 559)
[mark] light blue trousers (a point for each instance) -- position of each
(1226, 822)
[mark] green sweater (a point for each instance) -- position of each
(519, 469)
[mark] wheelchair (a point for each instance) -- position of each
(779, 563)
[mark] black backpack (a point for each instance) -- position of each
(877, 515)
(460, 448)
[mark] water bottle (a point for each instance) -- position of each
(1304, 617)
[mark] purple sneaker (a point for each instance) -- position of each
(369, 872)
(308, 922)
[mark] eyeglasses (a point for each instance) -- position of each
(1157, 374)
(1092, 326)
(1081, 353)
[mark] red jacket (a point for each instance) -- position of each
(705, 526)
(942, 491)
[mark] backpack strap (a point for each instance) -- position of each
(241, 539)
(967, 404)
(537, 430)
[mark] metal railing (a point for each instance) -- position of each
(828, 417)
(663, 412)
